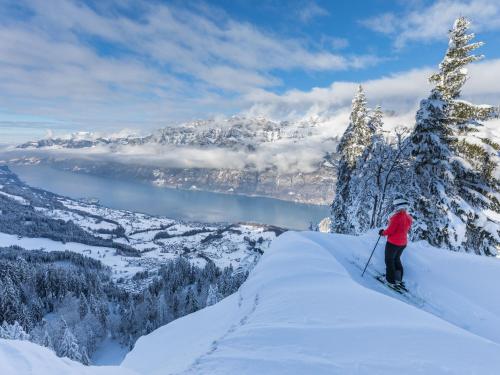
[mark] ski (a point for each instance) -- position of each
(405, 293)
(402, 291)
(396, 288)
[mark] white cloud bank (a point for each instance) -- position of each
(399, 93)
(430, 23)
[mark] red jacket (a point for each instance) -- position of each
(397, 231)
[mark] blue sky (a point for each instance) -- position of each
(70, 65)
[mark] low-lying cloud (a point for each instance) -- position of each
(285, 157)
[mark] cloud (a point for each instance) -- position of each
(338, 43)
(311, 10)
(398, 92)
(431, 23)
(384, 23)
(91, 64)
(286, 156)
(326, 111)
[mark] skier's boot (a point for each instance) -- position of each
(392, 285)
(401, 285)
(398, 277)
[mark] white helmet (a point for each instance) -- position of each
(401, 204)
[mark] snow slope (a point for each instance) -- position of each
(306, 310)
(26, 358)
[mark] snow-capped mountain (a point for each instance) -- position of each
(238, 155)
(231, 132)
(306, 310)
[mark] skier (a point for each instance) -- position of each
(397, 238)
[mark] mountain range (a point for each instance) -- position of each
(290, 160)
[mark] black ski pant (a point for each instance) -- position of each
(393, 266)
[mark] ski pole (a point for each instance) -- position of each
(370, 258)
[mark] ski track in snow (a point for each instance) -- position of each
(215, 344)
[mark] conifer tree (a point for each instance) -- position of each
(68, 347)
(191, 304)
(452, 75)
(9, 300)
(454, 189)
(366, 180)
(13, 331)
(351, 148)
(46, 339)
(84, 306)
(213, 295)
(85, 357)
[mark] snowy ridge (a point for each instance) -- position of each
(306, 310)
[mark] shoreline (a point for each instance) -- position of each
(24, 161)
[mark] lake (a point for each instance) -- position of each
(189, 205)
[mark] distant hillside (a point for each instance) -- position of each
(75, 275)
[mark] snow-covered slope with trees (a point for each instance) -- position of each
(128, 242)
(306, 310)
(76, 276)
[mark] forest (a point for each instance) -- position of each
(69, 303)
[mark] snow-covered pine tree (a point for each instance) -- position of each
(191, 304)
(13, 331)
(4, 333)
(84, 306)
(46, 339)
(454, 188)
(375, 121)
(366, 179)
(351, 147)
(452, 76)
(9, 300)
(68, 347)
(163, 313)
(431, 180)
(213, 295)
(85, 357)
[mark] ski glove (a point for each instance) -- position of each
(381, 232)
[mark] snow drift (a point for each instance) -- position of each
(306, 310)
